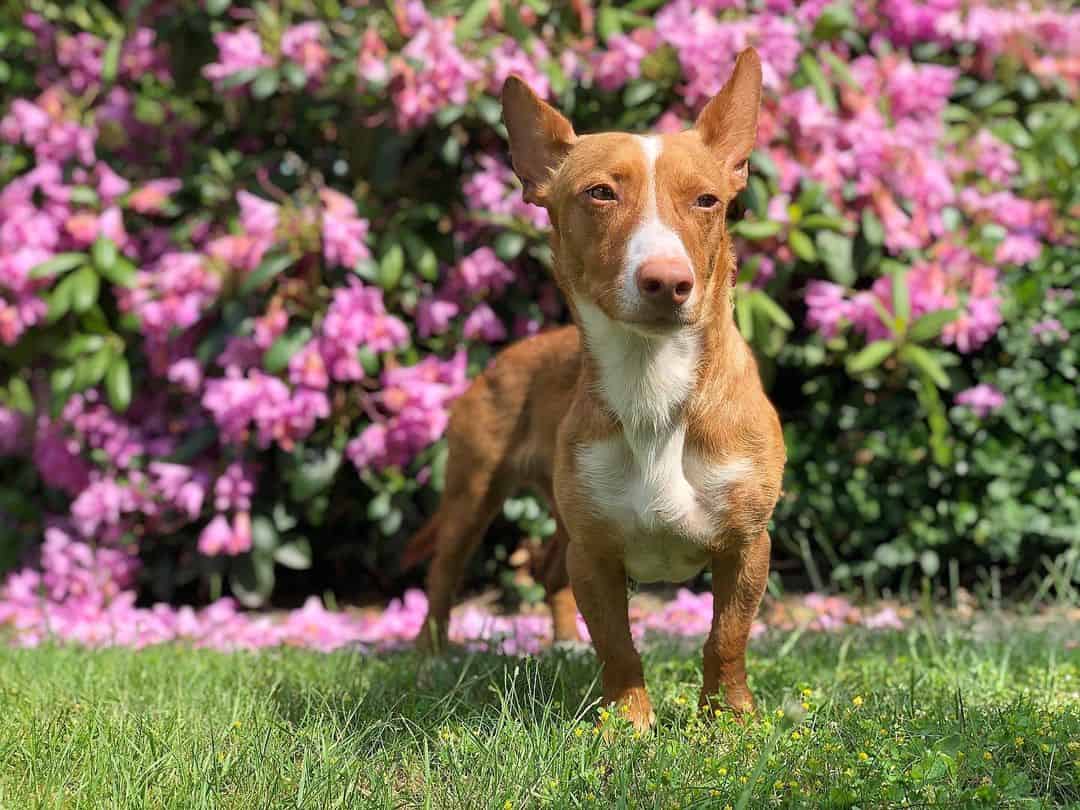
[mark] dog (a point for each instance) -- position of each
(644, 424)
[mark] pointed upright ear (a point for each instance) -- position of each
(728, 124)
(540, 137)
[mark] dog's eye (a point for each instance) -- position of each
(602, 192)
(706, 201)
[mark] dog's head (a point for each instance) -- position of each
(638, 222)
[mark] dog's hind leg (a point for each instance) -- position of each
(477, 484)
(557, 590)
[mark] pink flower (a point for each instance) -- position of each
(186, 373)
(1051, 327)
(433, 316)
(983, 399)
(238, 50)
(442, 78)
(258, 217)
(508, 58)
(343, 232)
(371, 62)
(621, 60)
(484, 324)
(827, 307)
(152, 196)
(303, 45)
(480, 273)
(216, 537)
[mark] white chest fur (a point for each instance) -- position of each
(664, 500)
(665, 503)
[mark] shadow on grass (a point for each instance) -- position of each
(407, 691)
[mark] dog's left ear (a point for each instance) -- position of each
(728, 124)
(540, 137)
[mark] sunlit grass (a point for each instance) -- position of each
(933, 715)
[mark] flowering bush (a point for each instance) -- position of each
(249, 253)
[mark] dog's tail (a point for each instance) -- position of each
(421, 545)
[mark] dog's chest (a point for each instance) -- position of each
(666, 503)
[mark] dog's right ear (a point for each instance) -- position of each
(540, 137)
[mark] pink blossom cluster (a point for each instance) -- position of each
(241, 53)
(951, 278)
(412, 412)
(492, 190)
(259, 401)
(94, 621)
(983, 399)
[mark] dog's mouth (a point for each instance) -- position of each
(659, 324)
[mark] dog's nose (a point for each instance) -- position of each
(665, 280)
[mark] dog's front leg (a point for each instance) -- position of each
(599, 583)
(739, 579)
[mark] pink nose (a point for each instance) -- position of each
(665, 280)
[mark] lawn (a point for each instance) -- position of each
(984, 714)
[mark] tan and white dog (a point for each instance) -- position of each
(645, 425)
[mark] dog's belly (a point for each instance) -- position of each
(667, 511)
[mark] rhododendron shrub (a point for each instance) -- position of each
(250, 253)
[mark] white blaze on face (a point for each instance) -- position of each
(651, 239)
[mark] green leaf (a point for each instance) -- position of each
(19, 396)
(508, 245)
(104, 253)
(817, 222)
(264, 536)
(215, 8)
(470, 23)
(110, 60)
(379, 506)
(812, 71)
(924, 362)
(281, 351)
(744, 315)
(833, 21)
(59, 301)
(773, 311)
(313, 473)
(60, 263)
(757, 230)
(121, 273)
(901, 296)
(929, 326)
(271, 266)
(840, 68)
(240, 77)
(608, 22)
(835, 251)
(872, 228)
(266, 83)
(85, 286)
(79, 344)
(638, 92)
(872, 356)
(295, 555)
(391, 267)
(515, 26)
(369, 361)
(294, 75)
(252, 579)
(118, 384)
(802, 246)
(810, 197)
(97, 364)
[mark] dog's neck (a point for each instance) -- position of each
(648, 385)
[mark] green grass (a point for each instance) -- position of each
(935, 715)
